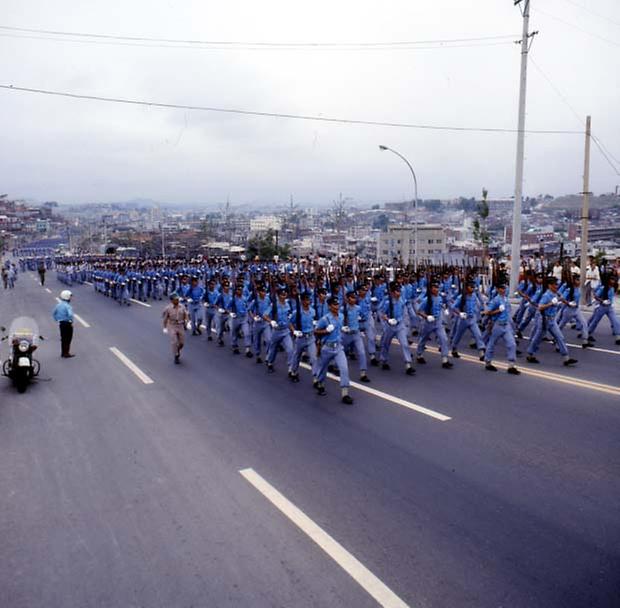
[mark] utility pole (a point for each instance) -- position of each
(516, 217)
(163, 248)
(585, 209)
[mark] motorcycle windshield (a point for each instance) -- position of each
(25, 328)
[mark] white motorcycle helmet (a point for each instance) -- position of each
(65, 295)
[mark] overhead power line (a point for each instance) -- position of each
(258, 44)
(213, 47)
(601, 148)
(607, 155)
(347, 121)
(589, 10)
(602, 38)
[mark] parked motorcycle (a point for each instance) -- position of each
(21, 366)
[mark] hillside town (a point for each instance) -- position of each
(448, 231)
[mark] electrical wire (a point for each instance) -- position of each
(602, 38)
(589, 10)
(282, 115)
(248, 47)
(253, 44)
(599, 144)
(605, 156)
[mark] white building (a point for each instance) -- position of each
(399, 242)
(263, 223)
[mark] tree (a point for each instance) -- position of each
(264, 246)
(339, 212)
(381, 222)
(481, 234)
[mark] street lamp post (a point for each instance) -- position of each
(415, 210)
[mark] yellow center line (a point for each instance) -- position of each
(594, 386)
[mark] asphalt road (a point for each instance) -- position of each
(119, 493)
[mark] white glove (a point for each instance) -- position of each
(233, 315)
(188, 325)
(222, 311)
(189, 300)
(274, 324)
(554, 301)
(502, 308)
(298, 334)
(392, 322)
(345, 329)
(165, 330)
(572, 304)
(329, 328)
(463, 315)
(315, 323)
(606, 302)
(257, 318)
(430, 318)
(517, 294)
(206, 305)
(374, 300)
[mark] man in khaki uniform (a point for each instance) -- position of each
(175, 319)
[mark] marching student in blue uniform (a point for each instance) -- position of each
(533, 299)
(320, 303)
(392, 314)
(499, 313)
(239, 322)
(351, 332)
(184, 287)
(367, 323)
(467, 312)
(224, 304)
(604, 296)
(571, 296)
(279, 318)
(328, 329)
(431, 310)
(525, 289)
(545, 322)
(211, 296)
(261, 329)
(303, 331)
(195, 296)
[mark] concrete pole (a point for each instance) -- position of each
(515, 258)
(585, 208)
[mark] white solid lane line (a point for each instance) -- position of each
(131, 365)
(351, 565)
(81, 321)
(77, 317)
(388, 397)
(141, 303)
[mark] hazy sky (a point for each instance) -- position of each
(54, 148)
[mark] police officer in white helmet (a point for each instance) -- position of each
(63, 314)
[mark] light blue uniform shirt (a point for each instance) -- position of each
(63, 312)
(398, 307)
(329, 319)
(495, 303)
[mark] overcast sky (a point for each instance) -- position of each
(55, 148)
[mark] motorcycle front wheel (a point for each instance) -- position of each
(20, 379)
